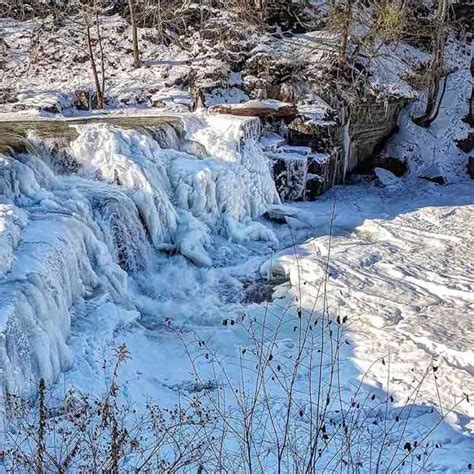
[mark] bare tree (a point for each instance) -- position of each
(260, 5)
(345, 29)
(83, 17)
(133, 22)
(99, 84)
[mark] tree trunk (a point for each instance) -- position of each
(432, 105)
(160, 22)
(136, 50)
(102, 58)
(99, 92)
(261, 7)
(345, 31)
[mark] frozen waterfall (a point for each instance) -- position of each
(71, 233)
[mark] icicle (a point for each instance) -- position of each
(347, 149)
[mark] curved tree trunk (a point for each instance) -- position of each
(433, 101)
(95, 74)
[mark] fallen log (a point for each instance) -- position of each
(256, 108)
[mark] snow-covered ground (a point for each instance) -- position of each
(46, 65)
(433, 152)
(399, 266)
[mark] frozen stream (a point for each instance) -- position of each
(81, 274)
(400, 268)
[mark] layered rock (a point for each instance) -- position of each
(365, 129)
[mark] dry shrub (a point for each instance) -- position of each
(84, 433)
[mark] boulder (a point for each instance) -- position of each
(53, 101)
(7, 96)
(82, 100)
(434, 173)
(172, 99)
(386, 178)
(315, 186)
(318, 134)
(280, 213)
(467, 144)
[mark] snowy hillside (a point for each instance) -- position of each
(242, 243)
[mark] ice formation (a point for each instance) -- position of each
(70, 237)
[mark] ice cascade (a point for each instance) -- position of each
(69, 236)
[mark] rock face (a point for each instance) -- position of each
(470, 167)
(366, 128)
(319, 152)
(467, 145)
(327, 168)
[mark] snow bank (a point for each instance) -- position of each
(398, 266)
(433, 152)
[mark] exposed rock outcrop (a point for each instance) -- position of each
(470, 167)
(467, 144)
(322, 146)
(365, 129)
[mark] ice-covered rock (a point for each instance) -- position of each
(271, 142)
(131, 160)
(172, 99)
(290, 171)
(222, 136)
(386, 177)
(12, 221)
(52, 101)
